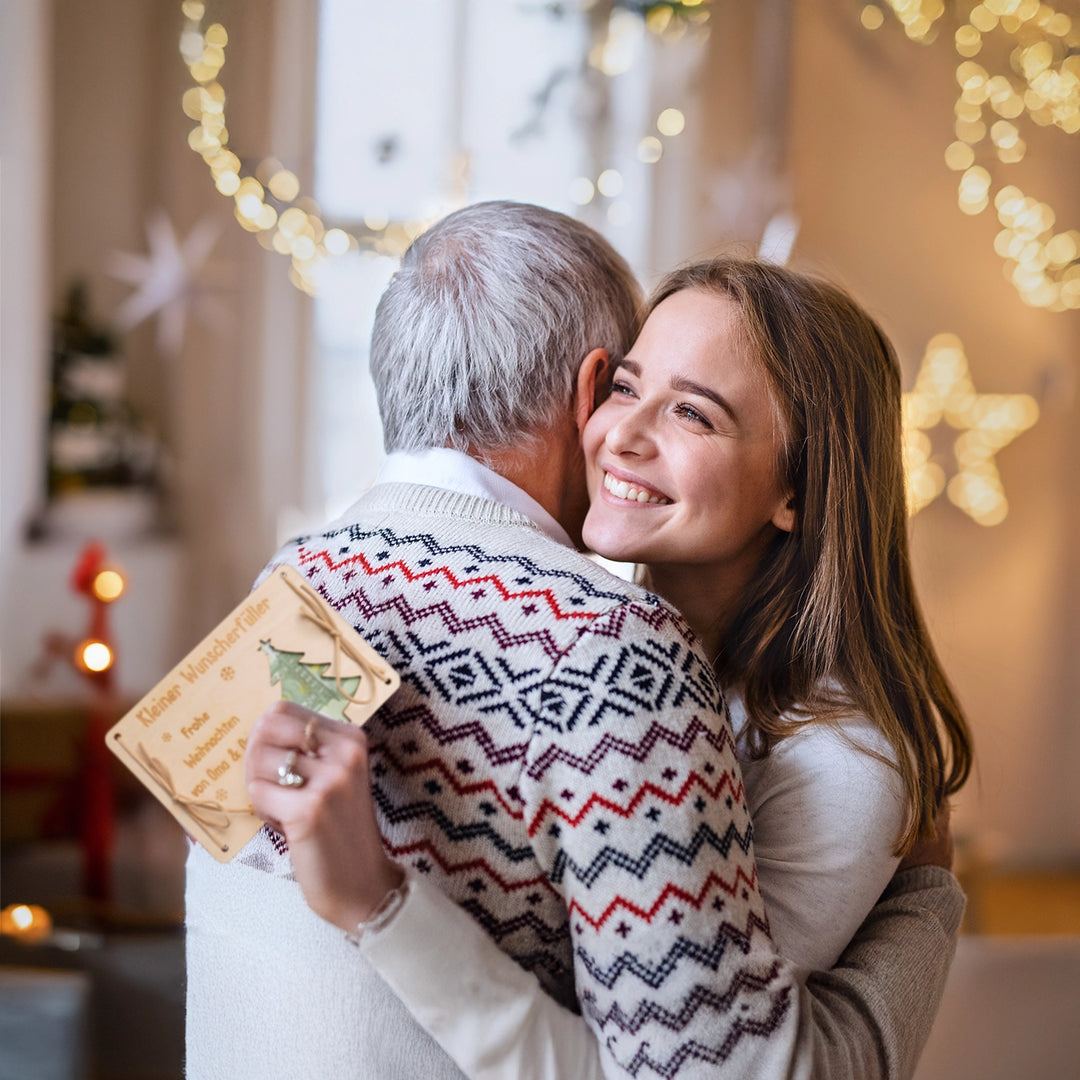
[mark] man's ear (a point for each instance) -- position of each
(590, 376)
(784, 517)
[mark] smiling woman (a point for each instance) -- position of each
(765, 405)
(692, 425)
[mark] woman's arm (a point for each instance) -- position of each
(493, 1018)
(490, 1015)
(867, 1018)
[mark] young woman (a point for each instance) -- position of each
(748, 458)
(758, 416)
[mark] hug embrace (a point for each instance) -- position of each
(690, 826)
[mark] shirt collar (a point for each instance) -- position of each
(443, 467)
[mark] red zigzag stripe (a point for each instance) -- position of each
(438, 765)
(441, 571)
(670, 890)
(620, 903)
(648, 788)
(450, 868)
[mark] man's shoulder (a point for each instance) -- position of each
(457, 540)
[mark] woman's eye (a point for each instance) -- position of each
(690, 413)
(621, 388)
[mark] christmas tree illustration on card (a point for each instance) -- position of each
(307, 684)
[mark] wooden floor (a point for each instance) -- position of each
(1022, 903)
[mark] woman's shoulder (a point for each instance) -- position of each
(844, 761)
(844, 731)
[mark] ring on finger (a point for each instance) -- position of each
(287, 776)
(311, 743)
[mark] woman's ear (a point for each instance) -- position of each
(784, 518)
(590, 377)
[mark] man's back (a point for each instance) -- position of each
(552, 761)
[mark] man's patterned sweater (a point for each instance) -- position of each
(557, 761)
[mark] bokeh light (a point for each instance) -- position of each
(108, 585)
(94, 656)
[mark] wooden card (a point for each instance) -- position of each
(185, 739)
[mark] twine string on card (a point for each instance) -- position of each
(209, 813)
(314, 610)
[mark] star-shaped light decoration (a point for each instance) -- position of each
(987, 423)
(172, 280)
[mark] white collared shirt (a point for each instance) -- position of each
(452, 470)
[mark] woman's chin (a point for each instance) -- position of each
(611, 543)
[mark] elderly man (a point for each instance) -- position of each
(535, 688)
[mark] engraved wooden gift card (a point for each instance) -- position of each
(185, 739)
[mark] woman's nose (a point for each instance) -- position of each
(631, 434)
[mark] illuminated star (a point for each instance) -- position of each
(171, 280)
(987, 423)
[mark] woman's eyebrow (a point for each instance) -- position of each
(688, 386)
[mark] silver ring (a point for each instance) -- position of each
(287, 776)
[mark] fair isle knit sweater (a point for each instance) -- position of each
(556, 762)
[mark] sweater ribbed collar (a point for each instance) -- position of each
(457, 473)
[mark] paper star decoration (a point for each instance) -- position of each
(987, 423)
(171, 281)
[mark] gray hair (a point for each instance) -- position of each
(480, 333)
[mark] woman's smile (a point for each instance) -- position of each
(627, 488)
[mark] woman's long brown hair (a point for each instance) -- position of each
(831, 621)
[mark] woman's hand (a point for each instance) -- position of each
(935, 852)
(308, 778)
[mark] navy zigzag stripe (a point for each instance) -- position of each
(451, 733)
(442, 609)
(654, 975)
(714, 1055)
(452, 831)
(701, 997)
(660, 844)
(639, 750)
(500, 928)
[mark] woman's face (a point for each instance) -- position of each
(682, 456)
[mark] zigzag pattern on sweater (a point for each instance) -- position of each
(655, 974)
(360, 563)
(450, 830)
(436, 549)
(445, 735)
(499, 929)
(660, 844)
(537, 882)
(371, 611)
(636, 677)
(713, 882)
(701, 997)
(597, 801)
(608, 745)
(486, 788)
(639, 751)
(693, 1049)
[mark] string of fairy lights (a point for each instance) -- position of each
(1040, 81)
(267, 198)
(1044, 265)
